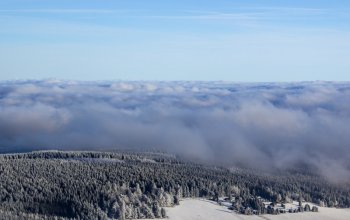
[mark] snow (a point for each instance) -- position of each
(196, 209)
(323, 214)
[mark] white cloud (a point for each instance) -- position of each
(261, 125)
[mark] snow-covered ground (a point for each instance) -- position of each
(195, 209)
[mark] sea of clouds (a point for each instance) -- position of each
(257, 125)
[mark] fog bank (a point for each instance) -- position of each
(259, 125)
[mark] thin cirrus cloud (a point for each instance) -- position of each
(274, 126)
(63, 11)
(257, 13)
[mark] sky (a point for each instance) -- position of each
(242, 40)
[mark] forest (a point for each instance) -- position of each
(135, 185)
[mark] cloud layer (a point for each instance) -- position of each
(260, 125)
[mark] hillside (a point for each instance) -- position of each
(125, 185)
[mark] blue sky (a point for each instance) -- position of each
(243, 40)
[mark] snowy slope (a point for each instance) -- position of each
(195, 209)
